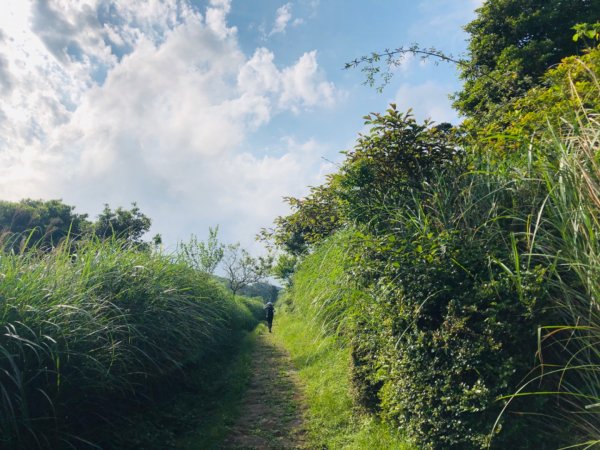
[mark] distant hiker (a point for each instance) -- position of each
(270, 313)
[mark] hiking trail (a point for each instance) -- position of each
(271, 412)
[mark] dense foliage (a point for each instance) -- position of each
(474, 261)
(512, 43)
(312, 313)
(44, 224)
(38, 223)
(567, 90)
(91, 334)
(124, 224)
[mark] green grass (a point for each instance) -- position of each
(202, 413)
(323, 363)
(91, 337)
(565, 238)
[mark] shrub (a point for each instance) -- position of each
(476, 270)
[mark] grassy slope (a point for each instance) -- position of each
(201, 414)
(97, 336)
(323, 363)
(310, 320)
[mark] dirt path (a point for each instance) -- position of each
(271, 411)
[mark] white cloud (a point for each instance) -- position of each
(304, 86)
(296, 87)
(165, 122)
(282, 18)
(216, 18)
(428, 100)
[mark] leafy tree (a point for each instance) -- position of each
(241, 269)
(40, 223)
(315, 217)
(202, 256)
(285, 267)
(391, 162)
(512, 43)
(129, 225)
(386, 165)
(569, 89)
(157, 240)
(589, 33)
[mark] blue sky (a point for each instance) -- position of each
(203, 112)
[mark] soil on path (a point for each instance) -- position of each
(271, 411)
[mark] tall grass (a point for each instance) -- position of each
(543, 205)
(316, 318)
(322, 291)
(564, 235)
(87, 335)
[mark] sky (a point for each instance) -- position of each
(204, 112)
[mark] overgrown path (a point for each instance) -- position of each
(271, 410)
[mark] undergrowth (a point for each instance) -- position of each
(463, 276)
(90, 336)
(201, 412)
(312, 322)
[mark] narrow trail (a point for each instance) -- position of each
(272, 409)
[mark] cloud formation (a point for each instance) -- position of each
(282, 18)
(106, 101)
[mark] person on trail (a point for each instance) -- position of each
(270, 310)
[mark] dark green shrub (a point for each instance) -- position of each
(449, 332)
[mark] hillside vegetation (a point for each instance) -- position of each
(311, 321)
(460, 268)
(91, 335)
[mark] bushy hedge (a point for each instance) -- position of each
(432, 346)
(87, 335)
(451, 327)
(477, 267)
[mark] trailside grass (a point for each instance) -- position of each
(202, 413)
(92, 336)
(323, 363)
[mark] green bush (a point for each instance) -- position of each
(448, 332)
(569, 90)
(477, 264)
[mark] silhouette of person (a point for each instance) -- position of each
(270, 310)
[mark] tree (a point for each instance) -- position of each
(387, 165)
(512, 44)
(202, 256)
(569, 89)
(285, 267)
(42, 224)
(391, 162)
(129, 225)
(315, 217)
(241, 269)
